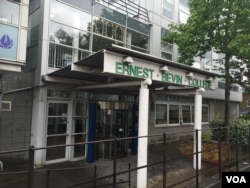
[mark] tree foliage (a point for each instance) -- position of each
(221, 26)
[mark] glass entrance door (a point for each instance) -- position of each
(57, 130)
(111, 121)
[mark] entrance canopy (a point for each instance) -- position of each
(118, 67)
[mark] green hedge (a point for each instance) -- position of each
(241, 124)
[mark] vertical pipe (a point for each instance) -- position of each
(164, 155)
(197, 125)
(197, 158)
(142, 157)
(219, 148)
(114, 162)
(31, 166)
(237, 149)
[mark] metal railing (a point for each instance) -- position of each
(61, 55)
(164, 161)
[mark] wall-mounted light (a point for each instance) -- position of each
(164, 68)
(128, 60)
(189, 75)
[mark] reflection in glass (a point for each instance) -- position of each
(69, 16)
(109, 14)
(161, 114)
(61, 34)
(204, 114)
(56, 152)
(79, 125)
(168, 10)
(58, 109)
(186, 114)
(173, 113)
(79, 150)
(101, 42)
(81, 107)
(137, 39)
(57, 125)
(11, 17)
(108, 29)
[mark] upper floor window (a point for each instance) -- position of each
(166, 48)
(183, 5)
(9, 12)
(168, 8)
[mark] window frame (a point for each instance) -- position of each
(180, 104)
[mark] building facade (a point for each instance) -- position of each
(56, 106)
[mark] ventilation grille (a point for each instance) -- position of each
(6, 105)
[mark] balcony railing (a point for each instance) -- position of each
(61, 55)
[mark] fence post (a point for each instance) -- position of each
(115, 162)
(237, 149)
(47, 178)
(164, 148)
(95, 169)
(219, 148)
(129, 175)
(249, 144)
(197, 158)
(31, 166)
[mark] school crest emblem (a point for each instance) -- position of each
(6, 42)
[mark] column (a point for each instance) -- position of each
(197, 125)
(142, 157)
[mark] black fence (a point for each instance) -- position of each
(167, 155)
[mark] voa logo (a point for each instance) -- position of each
(236, 179)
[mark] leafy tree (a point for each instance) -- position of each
(221, 26)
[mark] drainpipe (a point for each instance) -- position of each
(197, 125)
(142, 157)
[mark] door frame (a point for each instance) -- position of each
(68, 130)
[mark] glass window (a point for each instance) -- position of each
(7, 16)
(70, 16)
(138, 26)
(183, 17)
(109, 14)
(108, 29)
(137, 40)
(166, 48)
(85, 5)
(68, 36)
(33, 5)
(161, 114)
(186, 114)
(58, 93)
(79, 125)
(31, 57)
(174, 98)
(80, 108)
(168, 9)
(174, 114)
(248, 103)
(101, 43)
(165, 55)
(183, 5)
(161, 97)
(204, 113)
